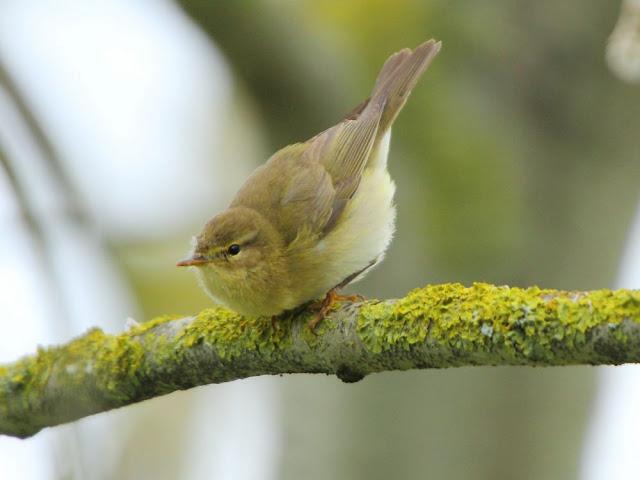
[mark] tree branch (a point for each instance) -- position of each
(433, 327)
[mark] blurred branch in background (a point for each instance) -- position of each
(54, 263)
(33, 211)
(48, 153)
(623, 51)
(434, 327)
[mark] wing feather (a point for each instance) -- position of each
(304, 188)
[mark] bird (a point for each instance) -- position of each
(317, 215)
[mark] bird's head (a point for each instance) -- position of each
(236, 239)
(237, 254)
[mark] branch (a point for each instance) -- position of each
(433, 327)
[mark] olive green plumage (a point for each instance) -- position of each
(317, 214)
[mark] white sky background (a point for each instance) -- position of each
(137, 80)
(133, 96)
(611, 447)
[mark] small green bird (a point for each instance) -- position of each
(317, 215)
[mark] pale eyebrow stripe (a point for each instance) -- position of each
(247, 238)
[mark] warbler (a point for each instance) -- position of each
(317, 215)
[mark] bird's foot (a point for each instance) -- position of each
(354, 297)
(325, 305)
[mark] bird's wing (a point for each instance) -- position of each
(345, 149)
(343, 152)
(294, 193)
(303, 188)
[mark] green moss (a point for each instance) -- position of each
(109, 363)
(532, 323)
(151, 324)
(233, 335)
(373, 324)
(441, 326)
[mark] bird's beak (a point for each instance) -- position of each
(192, 262)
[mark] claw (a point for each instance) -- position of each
(325, 305)
(349, 298)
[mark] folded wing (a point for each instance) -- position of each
(304, 188)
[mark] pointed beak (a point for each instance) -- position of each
(192, 262)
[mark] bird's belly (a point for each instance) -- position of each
(362, 234)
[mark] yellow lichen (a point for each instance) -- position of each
(526, 323)
(151, 324)
(233, 335)
(435, 326)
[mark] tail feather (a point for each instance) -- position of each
(398, 76)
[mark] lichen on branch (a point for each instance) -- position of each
(433, 327)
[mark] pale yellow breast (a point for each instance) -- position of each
(365, 228)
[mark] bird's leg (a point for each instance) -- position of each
(354, 297)
(333, 296)
(324, 307)
(274, 322)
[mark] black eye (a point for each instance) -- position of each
(233, 249)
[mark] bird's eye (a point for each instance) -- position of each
(233, 249)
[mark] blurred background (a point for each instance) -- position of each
(125, 125)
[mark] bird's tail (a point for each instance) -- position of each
(398, 76)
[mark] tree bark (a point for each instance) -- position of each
(434, 327)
